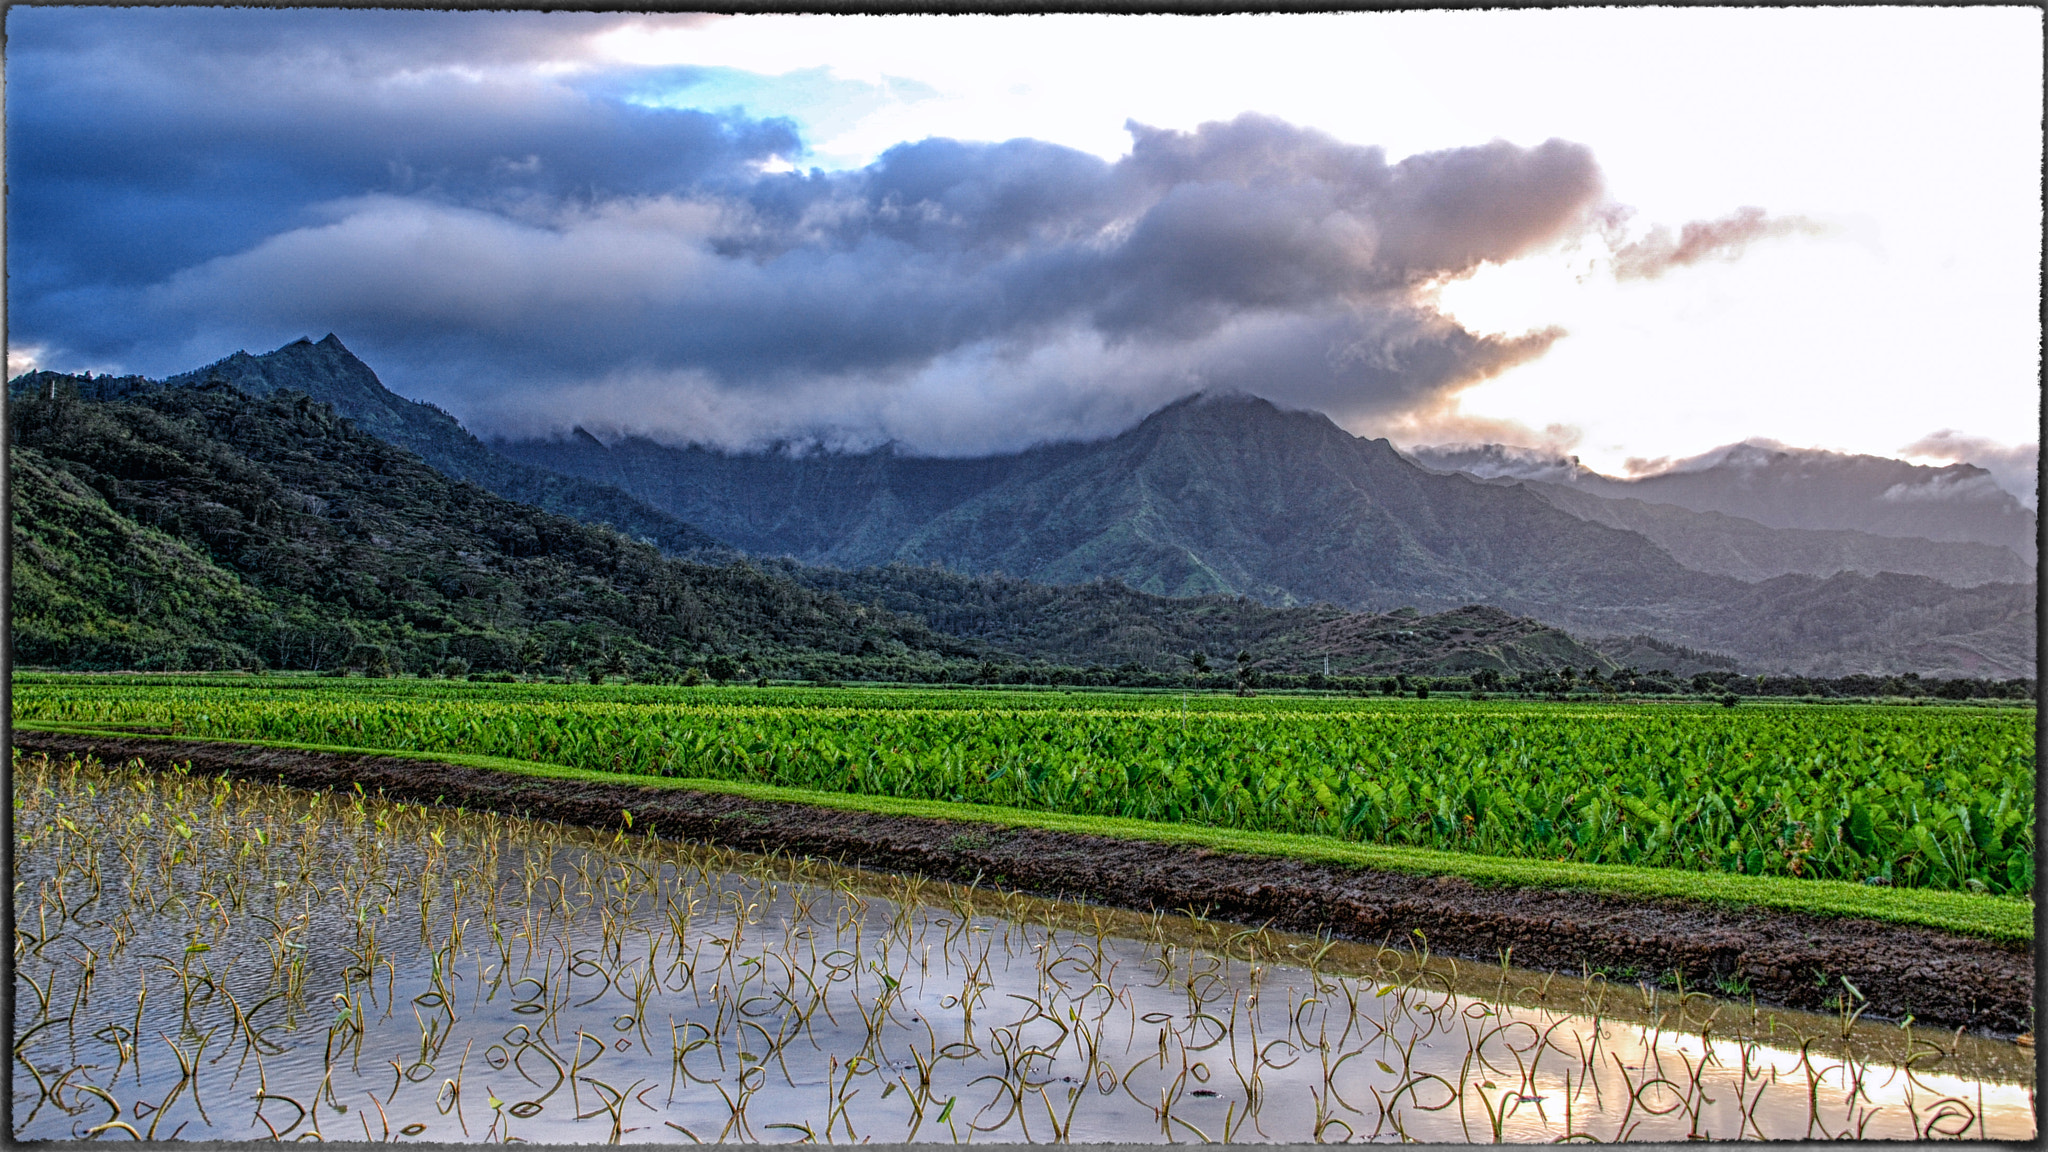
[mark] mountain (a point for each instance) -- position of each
(199, 526)
(1230, 495)
(1733, 546)
(94, 588)
(1226, 495)
(1789, 488)
(1852, 623)
(331, 374)
(844, 509)
(1107, 622)
(1213, 496)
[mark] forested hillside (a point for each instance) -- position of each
(200, 527)
(332, 374)
(1107, 622)
(186, 527)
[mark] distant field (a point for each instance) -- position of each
(1929, 797)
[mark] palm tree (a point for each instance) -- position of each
(1246, 678)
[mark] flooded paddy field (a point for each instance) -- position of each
(200, 959)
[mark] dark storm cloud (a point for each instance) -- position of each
(190, 182)
(376, 42)
(146, 140)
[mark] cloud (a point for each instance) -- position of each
(502, 224)
(23, 358)
(2016, 468)
(143, 141)
(1487, 461)
(1751, 455)
(1726, 239)
(1944, 489)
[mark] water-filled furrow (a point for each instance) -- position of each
(205, 960)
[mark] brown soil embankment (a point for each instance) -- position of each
(1783, 958)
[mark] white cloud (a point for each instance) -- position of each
(2014, 467)
(1883, 123)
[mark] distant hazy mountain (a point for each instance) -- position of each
(333, 375)
(1747, 550)
(1845, 624)
(1789, 488)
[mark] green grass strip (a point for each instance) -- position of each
(1992, 917)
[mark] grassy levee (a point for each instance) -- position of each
(2000, 918)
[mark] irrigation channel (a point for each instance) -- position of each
(201, 959)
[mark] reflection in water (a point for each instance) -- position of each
(203, 960)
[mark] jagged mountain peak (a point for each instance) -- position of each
(333, 375)
(1231, 402)
(1249, 423)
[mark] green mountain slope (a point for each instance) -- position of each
(1109, 623)
(92, 588)
(1231, 494)
(290, 537)
(333, 375)
(1211, 498)
(278, 534)
(1209, 495)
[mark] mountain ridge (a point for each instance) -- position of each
(279, 534)
(1790, 488)
(1213, 495)
(329, 371)
(1735, 546)
(1232, 495)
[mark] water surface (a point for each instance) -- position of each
(204, 960)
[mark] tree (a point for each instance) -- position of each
(722, 668)
(1198, 662)
(372, 659)
(532, 655)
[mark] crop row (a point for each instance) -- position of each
(1939, 798)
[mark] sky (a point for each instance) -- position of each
(1626, 234)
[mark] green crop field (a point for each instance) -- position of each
(1924, 797)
